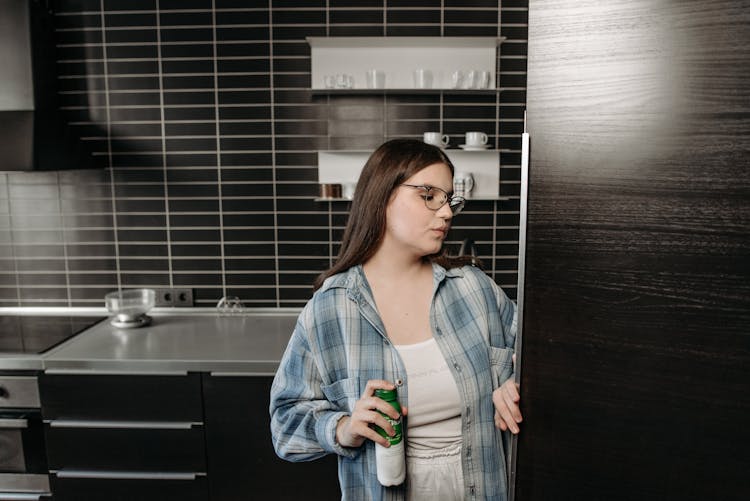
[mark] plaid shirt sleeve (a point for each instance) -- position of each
(303, 420)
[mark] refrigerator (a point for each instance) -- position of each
(635, 256)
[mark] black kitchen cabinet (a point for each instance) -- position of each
(119, 489)
(121, 397)
(126, 448)
(144, 437)
(242, 464)
(124, 437)
(636, 326)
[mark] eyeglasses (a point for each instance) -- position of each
(435, 198)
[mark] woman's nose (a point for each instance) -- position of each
(445, 211)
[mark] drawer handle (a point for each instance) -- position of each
(129, 425)
(22, 496)
(126, 475)
(14, 423)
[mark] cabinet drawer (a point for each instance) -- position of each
(174, 450)
(129, 489)
(121, 397)
(18, 391)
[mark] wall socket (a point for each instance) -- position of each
(174, 297)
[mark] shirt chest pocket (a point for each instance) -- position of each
(501, 362)
(342, 393)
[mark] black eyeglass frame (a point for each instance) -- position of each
(455, 202)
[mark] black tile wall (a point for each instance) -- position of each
(203, 122)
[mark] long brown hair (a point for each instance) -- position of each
(391, 164)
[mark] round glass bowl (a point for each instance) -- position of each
(130, 306)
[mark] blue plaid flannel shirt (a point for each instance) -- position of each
(339, 343)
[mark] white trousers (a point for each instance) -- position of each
(434, 475)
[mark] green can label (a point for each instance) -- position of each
(390, 396)
(396, 423)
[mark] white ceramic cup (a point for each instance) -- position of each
(436, 139)
(476, 139)
(422, 79)
(375, 79)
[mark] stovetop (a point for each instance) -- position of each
(40, 333)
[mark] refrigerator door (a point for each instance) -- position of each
(636, 343)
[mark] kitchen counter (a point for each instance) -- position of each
(21, 362)
(251, 342)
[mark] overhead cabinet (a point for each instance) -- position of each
(409, 64)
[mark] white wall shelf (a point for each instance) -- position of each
(406, 91)
(398, 57)
(345, 166)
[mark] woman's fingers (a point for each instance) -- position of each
(372, 416)
(372, 402)
(500, 422)
(367, 411)
(512, 397)
(507, 410)
(361, 427)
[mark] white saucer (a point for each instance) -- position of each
(477, 147)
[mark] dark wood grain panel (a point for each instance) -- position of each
(636, 344)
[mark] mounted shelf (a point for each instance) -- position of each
(344, 167)
(399, 57)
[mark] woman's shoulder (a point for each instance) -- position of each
(330, 292)
(471, 279)
(470, 274)
(341, 279)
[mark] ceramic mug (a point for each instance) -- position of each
(436, 139)
(476, 139)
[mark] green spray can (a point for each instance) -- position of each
(391, 462)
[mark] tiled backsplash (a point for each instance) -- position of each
(207, 133)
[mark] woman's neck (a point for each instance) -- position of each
(391, 268)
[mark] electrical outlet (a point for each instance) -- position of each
(179, 298)
(183, 298)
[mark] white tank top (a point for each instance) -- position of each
(434, 420)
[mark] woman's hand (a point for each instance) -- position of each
(507, 410)
(351, 431)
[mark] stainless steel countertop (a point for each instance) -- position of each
(21, 362)
(178, 340)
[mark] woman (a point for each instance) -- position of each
(394, 311)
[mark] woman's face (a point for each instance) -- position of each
(410, 226)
